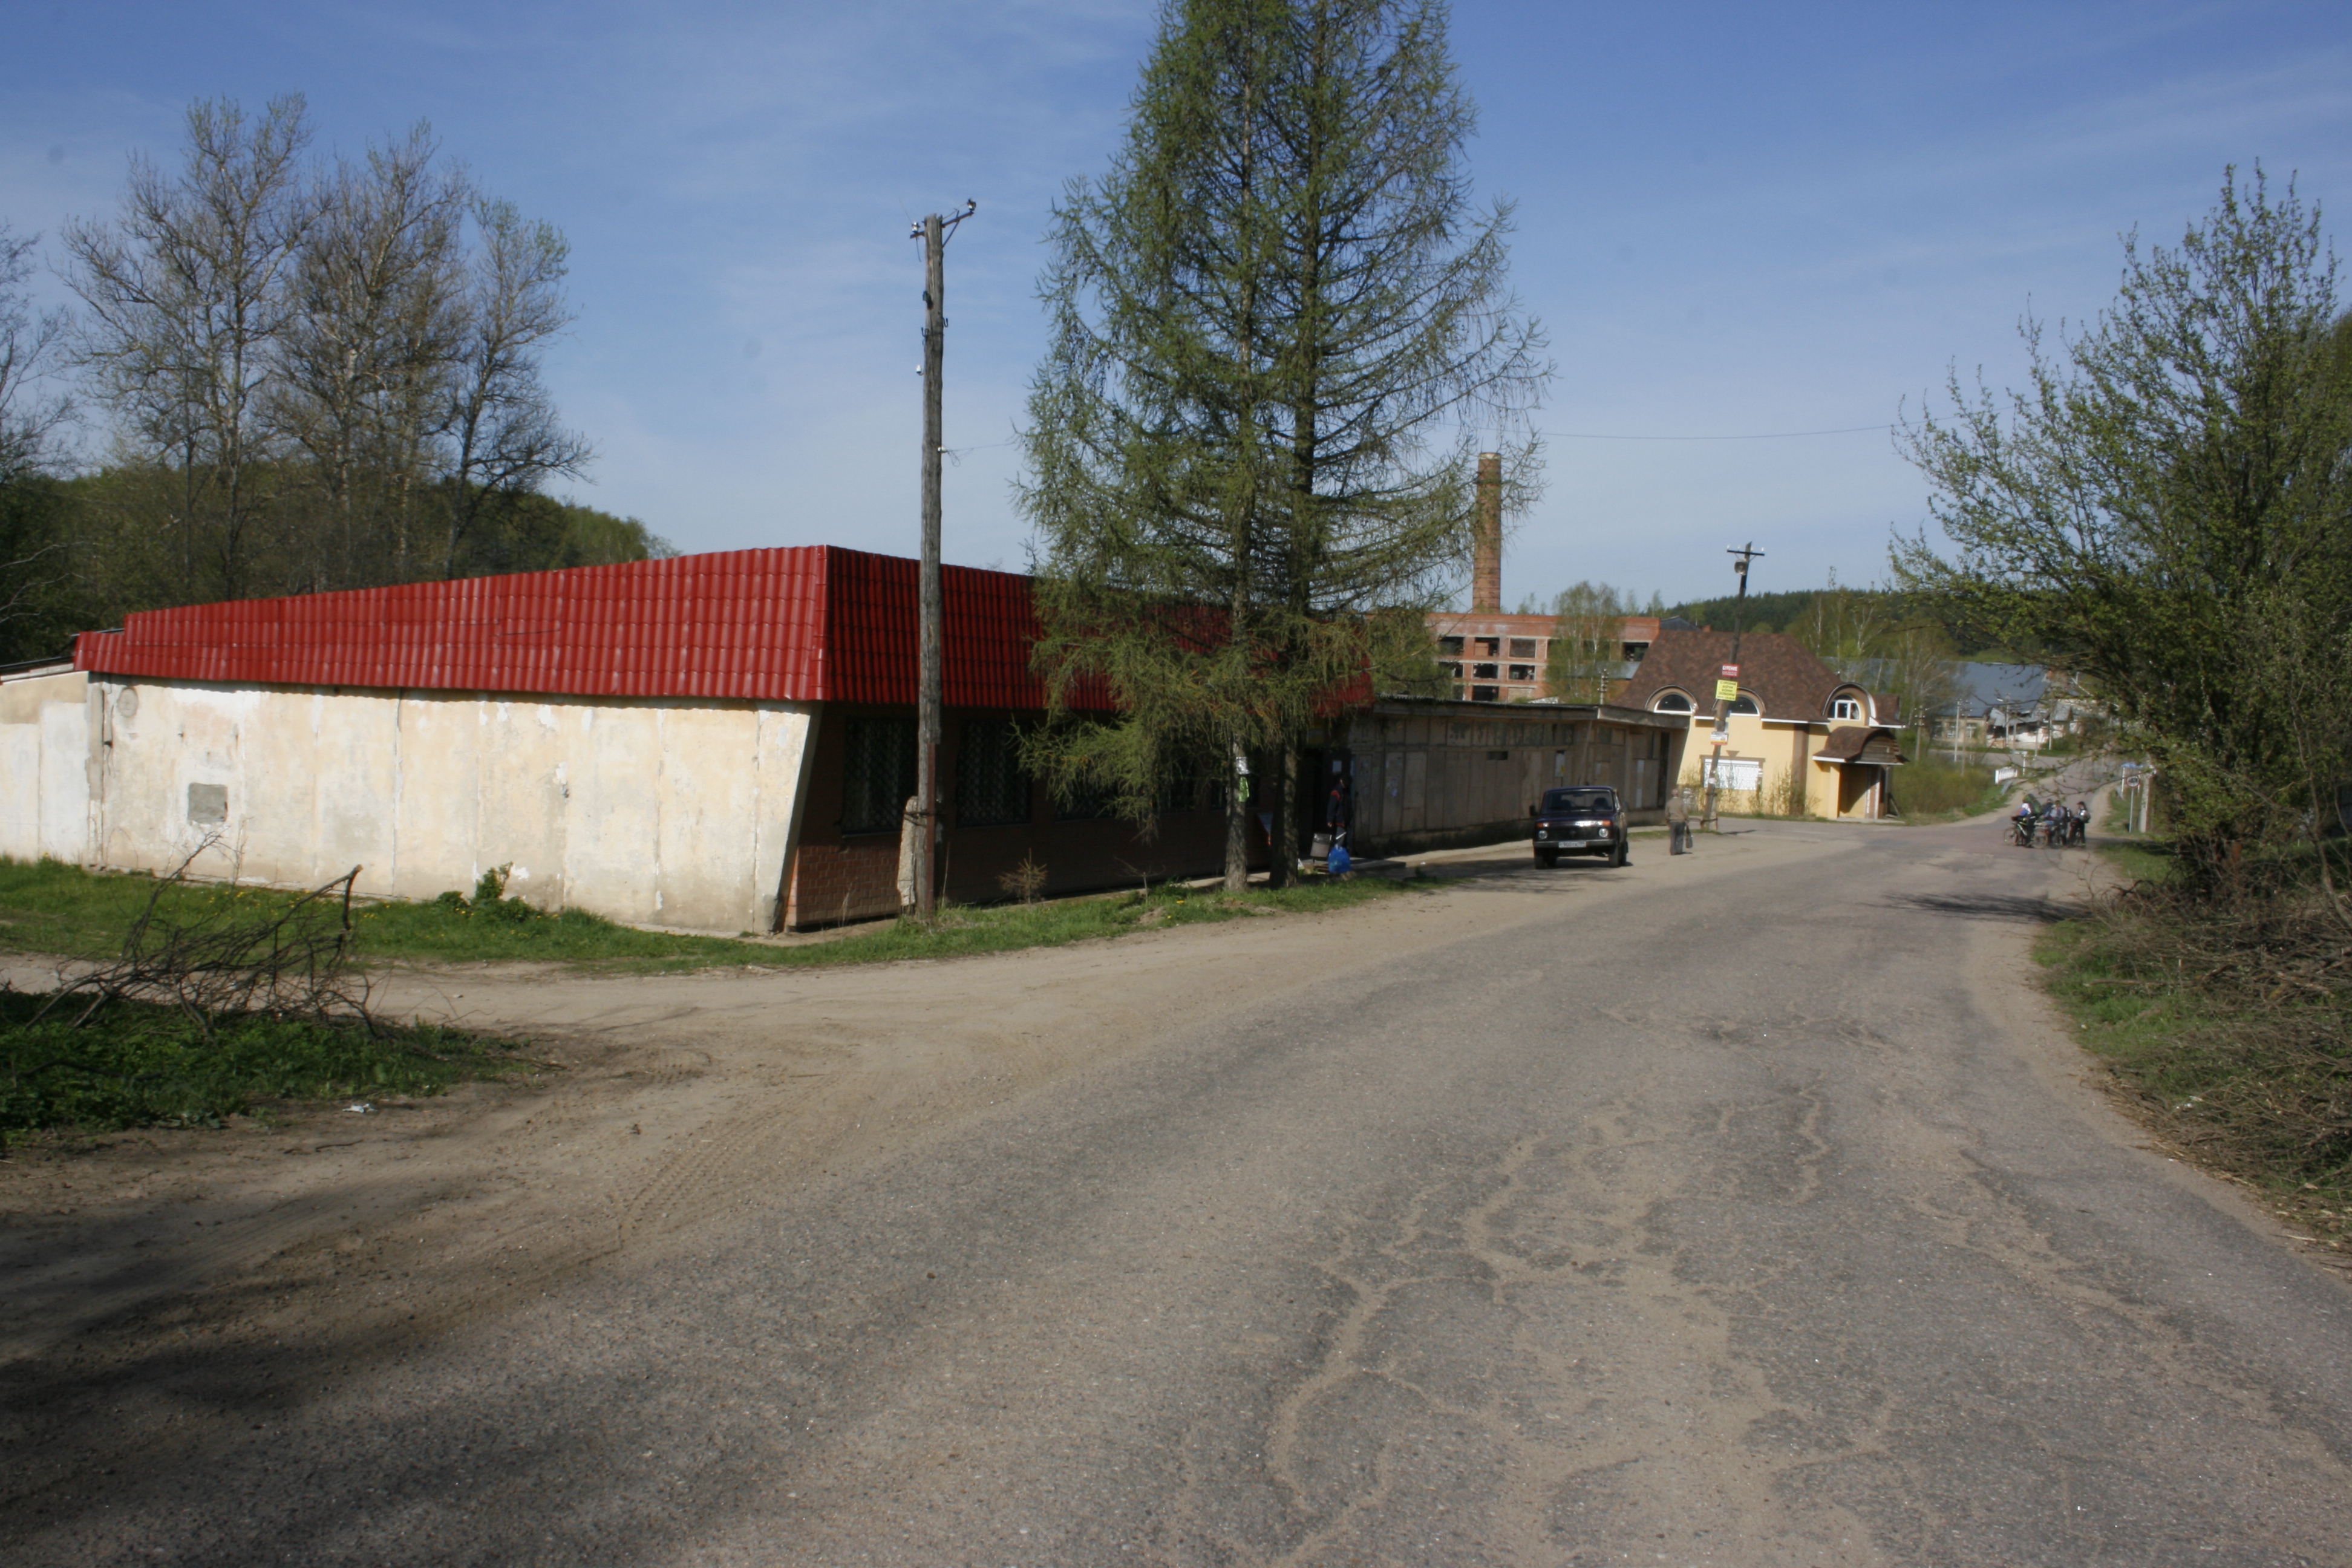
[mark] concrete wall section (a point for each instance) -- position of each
(1430, 774)
(44, 767)
(653, 811)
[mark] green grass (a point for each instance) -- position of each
(2227, 1024)
(2143, 860)
(138, 1063)
(1929, 788)
(50, 908)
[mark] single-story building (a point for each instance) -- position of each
(1802, 741)
(712, 742)
(719, 742)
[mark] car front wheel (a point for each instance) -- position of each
(1547, 857)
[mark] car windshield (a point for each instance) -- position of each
(1566, 802)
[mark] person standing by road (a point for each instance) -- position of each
(1678, 833)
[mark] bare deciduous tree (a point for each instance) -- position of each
(187, 300)
(376, 328)
(502, 437)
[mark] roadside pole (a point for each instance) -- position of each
(933, 231)
(1726, 685)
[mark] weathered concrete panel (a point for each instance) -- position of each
(614, 823)
(352, 785)
(65, 779)
(515, 808)
(437, 744)
(20, 790)
(659, 811)
(44, 767)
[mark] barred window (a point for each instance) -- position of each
(878, 773)
(1085, 802)
(1195, 786)
(990, 788)
(1523, 647)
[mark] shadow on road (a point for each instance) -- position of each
(1988, 907)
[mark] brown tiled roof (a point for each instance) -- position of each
(1848, 742)
(1775, 669)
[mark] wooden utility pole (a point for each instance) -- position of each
(933, 232)
(1722, 705)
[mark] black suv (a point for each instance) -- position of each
(1585, 820)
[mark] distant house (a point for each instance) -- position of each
(2009, 703)
(1801, 739)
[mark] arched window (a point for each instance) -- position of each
(1671, 702)
(1745, 704)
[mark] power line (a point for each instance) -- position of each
(1762, 436)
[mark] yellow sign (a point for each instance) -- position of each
(1727, 692)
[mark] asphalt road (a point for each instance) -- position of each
(1746, 1213)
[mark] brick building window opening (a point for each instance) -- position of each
(1449, 645)
(1453, 668)
(1482, 672)
(1490, 647)
(1523, 647)
(992, 790)
(878, 773)
(1845, 708)
(1523, 673)
(1485, 694)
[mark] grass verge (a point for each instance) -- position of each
(2226, 1028)
(1930, 789)
(140, 1064)
(48, 907)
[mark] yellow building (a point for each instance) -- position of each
(1799, 741)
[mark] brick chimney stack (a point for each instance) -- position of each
(1487, 553)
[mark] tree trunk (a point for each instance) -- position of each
(1236, 821)
(1282, 861)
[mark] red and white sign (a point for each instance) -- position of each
(1730, 672)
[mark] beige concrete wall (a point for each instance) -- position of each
(655, 812)
(44, 767)
(1788, 774)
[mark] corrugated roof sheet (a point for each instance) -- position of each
(815, 623)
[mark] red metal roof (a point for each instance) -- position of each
(815, 623)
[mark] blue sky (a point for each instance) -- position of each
(1733, 220)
